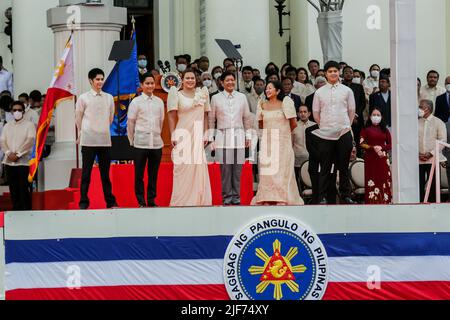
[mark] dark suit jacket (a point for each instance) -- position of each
(442, 108)
(309, 103)
(377, 100)
(360, 99)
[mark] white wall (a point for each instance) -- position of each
(4, 39)
(362, 46)
(242, 22)
(33, 45)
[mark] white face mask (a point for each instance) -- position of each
(207, 83)
(217, 75)
(18, 115)
(182, 67)
(356, 80)
(375, 74)
(376, 119)
(448, 88)
(421, 113)
(142, 64)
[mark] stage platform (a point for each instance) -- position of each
(374, 252)
(122, 178)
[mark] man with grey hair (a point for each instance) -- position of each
(430, 130)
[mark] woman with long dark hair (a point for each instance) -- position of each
(376, 141)
(277, 118)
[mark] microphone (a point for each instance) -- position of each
(168, 66)
(161, 66)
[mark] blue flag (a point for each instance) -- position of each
(129, 84)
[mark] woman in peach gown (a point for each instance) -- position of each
(188, 110)
(277, 118)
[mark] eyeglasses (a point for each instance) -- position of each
(16, 110)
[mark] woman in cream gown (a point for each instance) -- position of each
(277, 118)
(188, 110)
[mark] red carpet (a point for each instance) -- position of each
(122, 177)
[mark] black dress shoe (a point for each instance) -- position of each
(323, 202)
(348, 200)
(152, 205)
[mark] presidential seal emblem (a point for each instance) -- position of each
(169, 80)
(276, 259)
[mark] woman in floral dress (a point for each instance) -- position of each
(376, 141)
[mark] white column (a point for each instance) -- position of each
(242, 22)
(299, 33)
(186, 22)
(32, 45)
(99, 27)
(164, 30)
(405, 169)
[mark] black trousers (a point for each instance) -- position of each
(151, 158)
(19, 187)
(337, 152)
(313, 171)
(104, 162)
(424, 174)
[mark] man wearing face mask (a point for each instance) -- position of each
(430, 130)
(181, 63)
(142, 63)
(17, 142)
(443, 103)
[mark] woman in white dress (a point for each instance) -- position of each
(188, 111)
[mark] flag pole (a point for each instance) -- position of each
(76, 138)
(77, 149)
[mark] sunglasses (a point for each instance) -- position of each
(15, 110)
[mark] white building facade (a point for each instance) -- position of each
(190, 26)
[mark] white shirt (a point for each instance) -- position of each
(148, 114)
(299, 142)
(18, 137)
(253, 100)
(31, 115)
(430, 130)
(427, 93)
(94, 115)
(6, 81)
(334, 105)
(234, 119)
